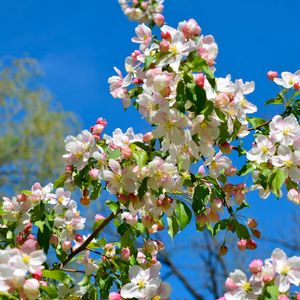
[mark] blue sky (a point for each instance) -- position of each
(78, 43)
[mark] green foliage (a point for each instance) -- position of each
(32, 127)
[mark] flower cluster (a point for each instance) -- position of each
(274, 276)
(143, 11)
(277, 153)
(20, 270)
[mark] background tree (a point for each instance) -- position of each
(33, 126)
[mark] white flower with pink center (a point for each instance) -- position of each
(288, 79)
(262, 150)
(288, 161)
(144, 284)
(284, 131)
(79, 149)
(144, 36)
(240, 288)
(288, 270)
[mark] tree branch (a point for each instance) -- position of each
(89, 239)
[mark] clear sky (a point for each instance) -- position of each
(79, 42)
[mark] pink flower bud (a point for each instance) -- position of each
(256, 266)
(283, 297)
(298, 296)
(159, 19)
(230, 284)
(31, 288)
(239, 197)
(141, 258)
(226, 148)
(38, 275)
(27, 229)
(201, 220)
(191, 28)
(164, 46)
(21, 197)
(126, 151)
(147, 221)
(272, 75)
(148, 137)
(252, 223)
(99, 217)
(114, 296)
(54, 240)
(242, 244)
(166, 36)
(78, 238)
(251, 245)
(200, 79)
(125, 253)
(135, 54)
(231, 171)
(66, 245)
(102, 122)
(297, 85)
(94, 174)
(69, 169)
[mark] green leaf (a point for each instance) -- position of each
(221, 225)
(276, 180)
(208, 108)
(184, 214)
(173, 226)
(60, 182)
(255, 122)
(139, 155)
(241, 230)
(148, 62)
(43, 235)
(278, 100)
(200, 99)
(50, 291)
(200, 198)
(113, 206)
(181, 96)
(143, 188)
(270, 293)
(58, 275)
(97, 189)
(114, 154)
(246, 169)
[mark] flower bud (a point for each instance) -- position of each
(221, 100)
(231, 171)
(102, 122)
(21, 197)
(54, 240)
(125, 253)
(200, 79)
(94, 173)
(114, 296)
(256, 233)
(135, 54)
(166, 36)
(272, 75)
(252, 223)
(85, 200)
(251, 245)
(38, 275)
(226, 148)
(283, 297)
(66, 245)
(99, 217)
(78, 238)
(201, 220)
(159, 19)
(32, 289)
(297, 85)
(256, 266)
(191, 29)
(148, 137)
(164, 46)
(69, 169)
(223, 250)
(242, 244)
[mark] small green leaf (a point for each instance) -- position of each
(173, 226)
(139, 155)
(113, 206)
(143, 188)
(246, 169)
(184, 214)
(241, 230)
(58, 275)
(181, 96)
(276, 180)
(114, 154)
(255, 122)
(221, 225)
(200, 198)
(97, 188)
(60, 182)
(278, 100)
(148, 62)
(50, 291)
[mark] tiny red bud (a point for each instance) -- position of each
(272, 75)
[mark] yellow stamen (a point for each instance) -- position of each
(26, 259)
(141, 284)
